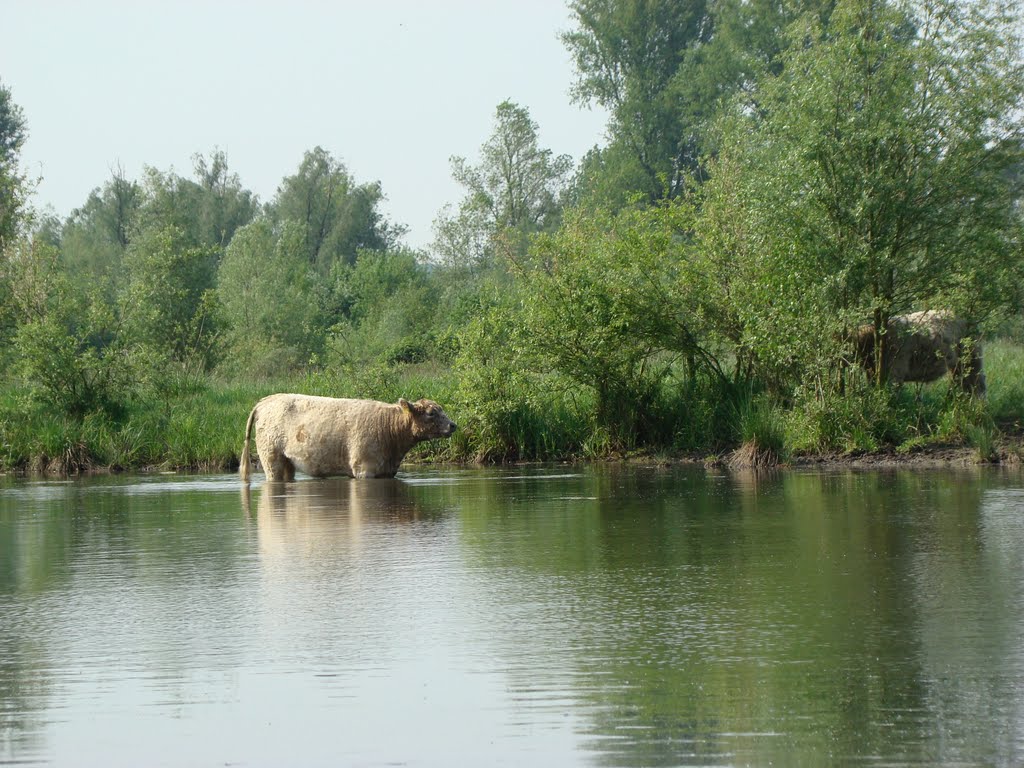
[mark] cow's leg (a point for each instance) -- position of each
(276, 466)
(364, 469)
(279, 467)
(360, 462)
(287, 469)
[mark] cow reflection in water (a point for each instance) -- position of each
(329, 515)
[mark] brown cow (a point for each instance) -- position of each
(324, 436)
(923, 346)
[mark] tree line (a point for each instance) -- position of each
(774, 176)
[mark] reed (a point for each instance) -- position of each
(761, 428)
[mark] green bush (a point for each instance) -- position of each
(864, 419)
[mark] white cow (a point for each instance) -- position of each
(324, 436)
(923, 346)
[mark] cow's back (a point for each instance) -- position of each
(927, 345)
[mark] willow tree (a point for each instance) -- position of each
(628, 54)
(871, 176)
(513, 192)
(617, 305)
(264, 285)
(13, 133)
(207, 208)
(662, 69)
(338, 216)
(168, 300)
(95, 237)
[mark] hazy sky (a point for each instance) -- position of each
(393, 88)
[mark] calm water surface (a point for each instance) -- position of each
(557, 616)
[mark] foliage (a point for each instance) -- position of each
(775, 176)
(94, 238)
(376, 278)
(224, 204)
(13, 133)
(493, 385)
(627, 54)
(389, 311)
(868, 178)
(195, 430)
(1004, 369)
(983, 436)
(265, 287)
(610, 302)
(67, 342)
(663, 69)
(863, 419)
(169, 303)
(868, 418)
(206, 211)
(338, 217)
(511, 194)
(760, 426)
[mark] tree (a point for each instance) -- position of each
(511, 194)
(338, 216)
(390, 312)
(95, 237)
(13, 133)
(227, 205)
(66, 340)
(207, 211)
(169, 302)
(464, 240)
(264, 285)
(627, 54)
(662, 69)
(611, 302)
(870, 177)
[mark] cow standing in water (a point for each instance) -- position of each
(324, 436)
(923, 346)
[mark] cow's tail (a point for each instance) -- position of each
(244, 469)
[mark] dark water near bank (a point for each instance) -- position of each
(545, 617)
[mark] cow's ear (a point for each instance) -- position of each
(410, 407)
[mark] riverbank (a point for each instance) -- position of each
(1005, 451)
(1009, 454)
(210, 442)
(198, 425)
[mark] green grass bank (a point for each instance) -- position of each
(198, 424)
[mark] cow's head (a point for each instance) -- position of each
(429, 421)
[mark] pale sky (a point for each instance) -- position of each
(393, 88)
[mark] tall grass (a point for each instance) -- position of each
(201, 429)
(865, 419)
(760, 426)
(1004, 370)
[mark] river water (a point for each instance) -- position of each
(551, 616)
